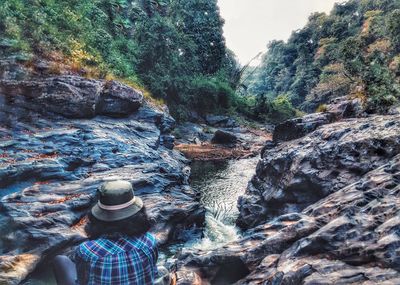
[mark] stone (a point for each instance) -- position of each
(299, 127)
(345, 107)
(224, 137)
(337, 109)
(218, 120)
(167, 141)
(187, 277)
(118, 100)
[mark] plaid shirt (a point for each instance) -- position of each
(118, 262)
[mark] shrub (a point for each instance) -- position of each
(282, 109)
(322, 108)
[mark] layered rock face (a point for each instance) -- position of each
(298, 173)
(321, 209)
(56, 149)
(86, 98)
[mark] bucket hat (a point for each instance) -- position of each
(117, 201)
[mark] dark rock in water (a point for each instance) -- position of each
(297, 173)
(72, 96)
(224, 137)
(299, 127)
(349, 237)
(52, 165)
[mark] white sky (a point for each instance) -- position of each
(251, 24)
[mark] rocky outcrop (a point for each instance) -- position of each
(72, 96)
(349, 237)
(339, 108)
(299, 127)
(298, 173)
(57, 148)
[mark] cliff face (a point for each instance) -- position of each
(321, 209)
(60, 138)
(298, 173)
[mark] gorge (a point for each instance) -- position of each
(285, 173)
(321, 205)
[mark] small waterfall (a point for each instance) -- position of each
(216, 233)
(220, 186)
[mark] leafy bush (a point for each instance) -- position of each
(282, 109)
(321, 108)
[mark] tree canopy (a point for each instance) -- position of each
(175, 48)
(354, 50)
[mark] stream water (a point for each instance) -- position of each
(220, 185)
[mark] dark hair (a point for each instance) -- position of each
(134, 226)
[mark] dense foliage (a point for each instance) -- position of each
(354, 50)
(175, 48)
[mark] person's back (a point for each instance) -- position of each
(126, 260)
(120, 249)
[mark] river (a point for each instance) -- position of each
(219, 184)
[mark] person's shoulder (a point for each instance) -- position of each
(88, 249)
(150, 238)
(146, 240)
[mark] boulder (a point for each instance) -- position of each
(216, 120)
(188, 133)
(224, 137)
(118, 100)
(337, 109)
(297, 173)
(345, 107)
(299, 127)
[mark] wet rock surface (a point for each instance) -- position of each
(321, 209)
(56, 149)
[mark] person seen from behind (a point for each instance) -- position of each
(120, 249)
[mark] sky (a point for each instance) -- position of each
(251, 24)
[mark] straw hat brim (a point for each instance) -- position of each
(117, 215)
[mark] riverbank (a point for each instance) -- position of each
(197, 141)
